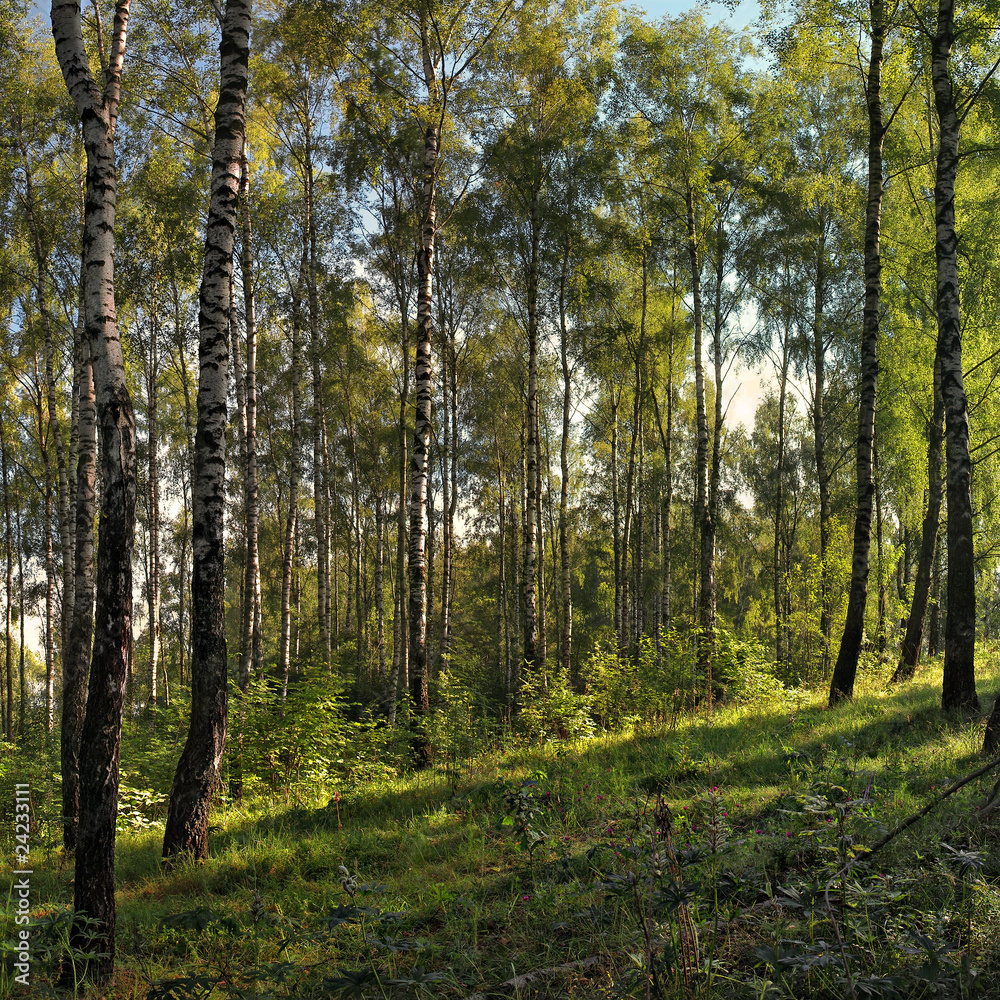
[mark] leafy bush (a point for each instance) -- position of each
(550, 708)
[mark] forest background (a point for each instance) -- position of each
(500, 273)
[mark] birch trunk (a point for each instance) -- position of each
(529, 571)
(153, 469)
(198, 770)
(9, 581)
(616, 541)
(253, 657)
(705, 548)
(424, 381)
(100, 741)
(295, 473)
(709, 587)
(819, 444)
(959, 687)
(323, 596)
(565, 579)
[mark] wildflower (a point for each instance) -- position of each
(759, 830)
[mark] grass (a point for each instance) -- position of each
(682, 861)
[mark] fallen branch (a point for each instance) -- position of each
(868, 852)
(519, 982)
(933, 804)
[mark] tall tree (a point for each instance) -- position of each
(959, 687)
(842, 682)
(100, 743)
(197, 773)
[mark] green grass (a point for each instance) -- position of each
(755, 837)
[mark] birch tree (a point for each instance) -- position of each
(197, 773)
(100, 742)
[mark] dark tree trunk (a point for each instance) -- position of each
(842, 682)
(910, 653)
(77, 656)
(819, 439)
(702, 510)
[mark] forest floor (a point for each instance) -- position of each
(706, 857)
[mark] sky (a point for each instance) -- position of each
(744, 14)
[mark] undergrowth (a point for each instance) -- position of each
(706, 854)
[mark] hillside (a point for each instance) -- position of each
(704, 857)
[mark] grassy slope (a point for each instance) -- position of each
(477, 909)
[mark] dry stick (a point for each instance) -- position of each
(518, 982)
(879, 844)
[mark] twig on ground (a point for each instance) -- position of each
(525, 979)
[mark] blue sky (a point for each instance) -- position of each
(655, 9)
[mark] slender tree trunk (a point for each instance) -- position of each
(637, 392)
(100, 742)
(541, 644)
(321, 519)
(187, 464)
(880, 636)
(709, 601)
(819, 444)
(23, 683)
(295, 472)
(616, 539)
(431, 550)
(701, 507)
(9, 553)
(529, 571)
(197, 773)
(565, 578)
(910, 652)
(845, 670)
(399, 627)
(447, 523)
(252, 639)
(380, 584)
(959, 689)
(50, 570)
(780, 651)
(77, 657)
(153, 469)
(417, 616)
(504, 614)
